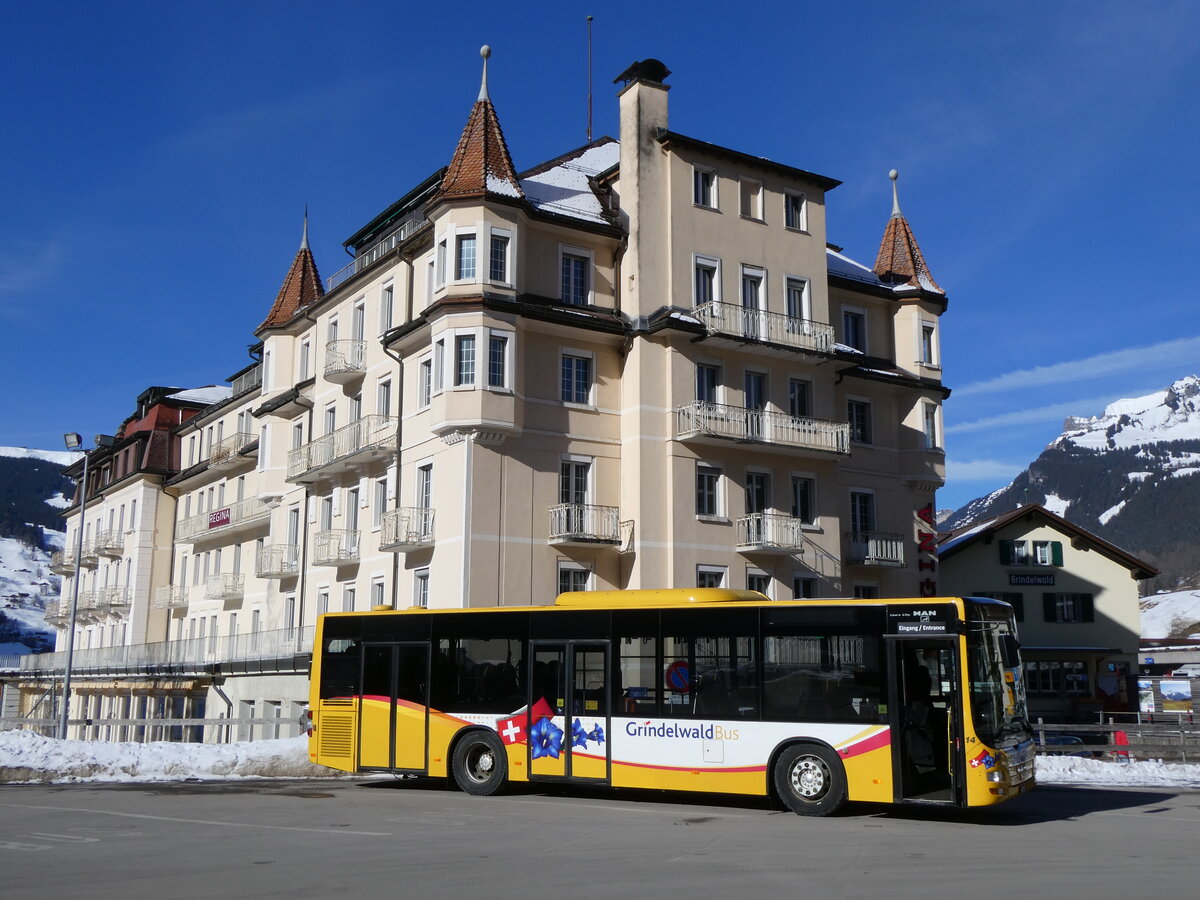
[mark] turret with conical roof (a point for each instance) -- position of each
(301, 286)
(900, 260)
(481, 165)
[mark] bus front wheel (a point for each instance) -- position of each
(480, 764)
(810, 780)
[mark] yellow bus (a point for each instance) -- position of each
(815, 702)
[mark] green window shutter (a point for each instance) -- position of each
(1087, 608)
(1056, 553)
(1006, 553)
(1049, 608)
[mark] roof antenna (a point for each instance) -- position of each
(589, 127)
(894, 175)
(485, 51)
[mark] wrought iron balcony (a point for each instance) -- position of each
(55, 615)
(278, 561)
(248, 381)
(583, 523)
(335, 548)
(89, 557)
(114, 602)
(236, 517)
(226, 586)
(227, 453)
(375, 252)
(109, 543)
(407, 528)
(345, 360)
(717, 422)
(770, 533)
(760, 325)
(171, 596)
(875, 548)
(87, 607)
(350, 447)
(62, 562)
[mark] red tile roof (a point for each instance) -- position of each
(301, 287)
(481, 164)
(900, 260)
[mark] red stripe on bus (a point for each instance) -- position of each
(867, 744)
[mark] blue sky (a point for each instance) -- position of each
(158, 159)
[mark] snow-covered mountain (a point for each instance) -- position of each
(1173, 615)
(1130, 475)
(32, 493)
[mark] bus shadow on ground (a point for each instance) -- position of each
(1046, 804)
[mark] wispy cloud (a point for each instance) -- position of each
(1168, 354)
(982, 470)
(1049, 413)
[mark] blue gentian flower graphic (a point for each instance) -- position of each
(597, 734)
(579, 735)
(545, 739)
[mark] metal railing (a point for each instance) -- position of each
(875, 548)
(226, 452)
(247, 381)
(345, 358)
(114, 601)
(171, 596)
(278, 561)
(109, 542)
(62, 562)
(53, 614)
(225, 586)
(366, 435)
(585, 522)
(373, 253)
(229, 518)
(190, 654)
(760, 325)
(703, 419)
(773, 531)
(407, 527)
(335, 548)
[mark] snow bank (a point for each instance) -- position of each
(27, 757)
(1135, 773)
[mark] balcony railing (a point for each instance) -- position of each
(875, 548)
(583, 523)
(247, 381)
(191, 654)
(345, 360)
(373, 253)
(407, 528)
(369, 438)
(335, 548)
(226, 586)
(770, 533)
(760, 325)
(701, 419)
(235, 517)
(171, 596)
(114, 601)
(110, 542)
(55, 614)
(228, 452)
(87, 607)
(278, 561)
(62, 562)
(89, 556)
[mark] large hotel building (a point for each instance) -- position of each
(639, 364)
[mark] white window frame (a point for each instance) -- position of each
(811, 478)
(387, 306)
(718, 514)
(808, 577)
(703, 261)
(869, 438)
(421, 588)
(718, 386)
(383, 396)
(757, 572)
(459, 235)
(575, 353)
(930, 426)
(788, 198)
(304, 360)
(569, 565)
(804, 286)
(378, 591)
(928, 354)
(721, 571)
(861, 314)
(565, 250)
(753, 210)
(510, 339)
(713, 187)
(505, 235)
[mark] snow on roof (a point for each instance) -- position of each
(502, 186)
(59, 457)
(844, 348)
(563, 189)
(959, 538)
(209, 395)
(840, 264)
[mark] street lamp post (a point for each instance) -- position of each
(75, 442)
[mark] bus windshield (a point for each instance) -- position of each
(997, 687)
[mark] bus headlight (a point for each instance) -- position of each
(997, 775)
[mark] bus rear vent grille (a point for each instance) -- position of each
(337, 736)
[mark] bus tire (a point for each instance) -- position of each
(480, 764)
(810, 780)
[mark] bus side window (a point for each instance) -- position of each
(636, 676)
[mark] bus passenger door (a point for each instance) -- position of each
(925, 717)
(568, 711)
(393, 707)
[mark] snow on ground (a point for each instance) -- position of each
(59, 457)
(26, 757)
(1165, 614)
(1056, 504)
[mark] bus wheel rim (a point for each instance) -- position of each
(809, 777)
(481, 764)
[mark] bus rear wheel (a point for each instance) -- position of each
(810, 780)
(480, 765)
